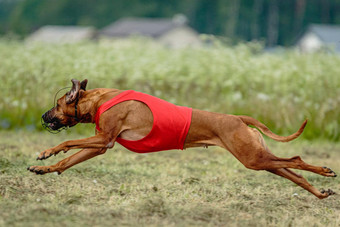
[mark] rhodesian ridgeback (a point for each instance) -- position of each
(143, 123)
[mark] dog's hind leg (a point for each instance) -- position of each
(297, 163)
(302, 182)
(261, 158)
(248, 146)
(256, 155)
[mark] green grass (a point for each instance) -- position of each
(281, 90)
(195, 187)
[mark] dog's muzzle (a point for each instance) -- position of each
(51, 123)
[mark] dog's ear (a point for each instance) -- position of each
(72, 95)
(83, 85)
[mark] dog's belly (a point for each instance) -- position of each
(206, 128)
(201, 132)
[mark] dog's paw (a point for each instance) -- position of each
(328, 172)
(326, 193)
(45, 154)
(39, 169)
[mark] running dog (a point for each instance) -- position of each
(143, 123)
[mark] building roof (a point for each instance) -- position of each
(327, 33)
(55, 34)
(141, 26)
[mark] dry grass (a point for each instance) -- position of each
(196, 187)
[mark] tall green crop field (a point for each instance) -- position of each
(281, 90)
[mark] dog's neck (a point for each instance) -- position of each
(91, 100)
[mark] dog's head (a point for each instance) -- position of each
(65, 113)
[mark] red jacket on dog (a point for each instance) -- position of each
(171, 123)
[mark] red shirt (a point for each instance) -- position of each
(171, 123)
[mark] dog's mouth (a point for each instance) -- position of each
(52, 124)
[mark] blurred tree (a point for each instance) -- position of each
(6, 7)
(273, 23)
(25, 16)
(279, 22)
(233, 8)
(300, 9)
(325, 11)
(256, 22)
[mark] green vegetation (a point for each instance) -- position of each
(281, 90)
(195, 187)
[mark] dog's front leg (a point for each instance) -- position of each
(99, 141)
(66, 163)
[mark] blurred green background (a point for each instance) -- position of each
(247, 64)
(280, 90)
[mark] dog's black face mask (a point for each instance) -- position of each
(65, 113)
(56, 120)
(51, 122)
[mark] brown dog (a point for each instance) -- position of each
(132, 120)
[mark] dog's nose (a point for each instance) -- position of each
(46, 116)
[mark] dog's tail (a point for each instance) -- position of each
(265, 130)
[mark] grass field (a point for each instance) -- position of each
(195, 187)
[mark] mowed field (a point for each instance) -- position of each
(194, 187)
